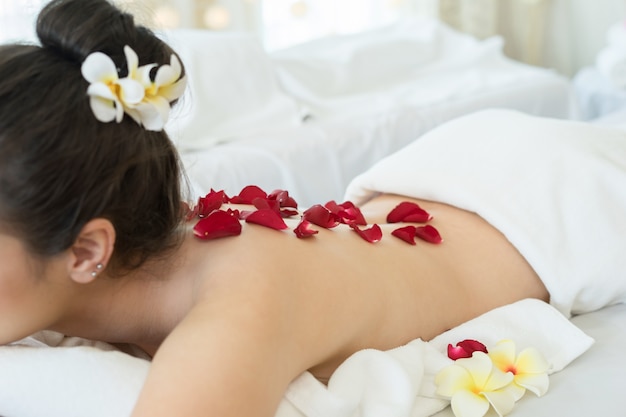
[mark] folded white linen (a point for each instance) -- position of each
(89, 381)
(400, 382)
(554, 188)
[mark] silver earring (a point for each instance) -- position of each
(99, 267)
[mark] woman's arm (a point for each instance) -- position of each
(230, 358)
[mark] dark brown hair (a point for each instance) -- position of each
(59, 166)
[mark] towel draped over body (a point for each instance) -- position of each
(556, 189)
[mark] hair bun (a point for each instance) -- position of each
(76, 28)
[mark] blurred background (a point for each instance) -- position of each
(565, 35)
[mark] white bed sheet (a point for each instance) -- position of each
(316, 161)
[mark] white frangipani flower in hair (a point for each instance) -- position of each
(147, 101)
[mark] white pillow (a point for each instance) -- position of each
(372, 72)
(233, 89)
(348, 64)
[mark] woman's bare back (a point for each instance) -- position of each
(274, 305)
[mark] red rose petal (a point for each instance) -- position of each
(373, 234)
(264, 203)
(245, 213)
(406, 233)
(347, 212)
(212, 201)
(321, 216)
(472, 345)
(248, 194)
(418, 216)
(303, 230)
(287, 212)
(457, 352)
(355, 211)
(283, 198)
(266, 217)
(333, 207)
(465, 349)
(234, 212)
(429, 234)
(217, 224)
(407, 208)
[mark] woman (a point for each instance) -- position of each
(94, 243)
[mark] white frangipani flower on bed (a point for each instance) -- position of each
(147, 101)
(474, 384)
(529, 368)
(498, 377)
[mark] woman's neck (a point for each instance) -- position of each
(140, 308)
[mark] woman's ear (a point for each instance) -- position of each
(92, 250)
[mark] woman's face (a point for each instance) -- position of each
(30, 292)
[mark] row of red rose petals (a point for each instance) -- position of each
(272, 208)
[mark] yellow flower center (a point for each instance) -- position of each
(114, 87)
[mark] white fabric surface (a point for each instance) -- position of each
(233, 89)
(400, 382)
(415, 62)
(366, 95)
(597, 95)
(611, 59)
(316, 161)
(88, 381)
(556, 190)
(347, 64)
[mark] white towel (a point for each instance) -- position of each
(400, 382)
(556, 189)
(79, 381)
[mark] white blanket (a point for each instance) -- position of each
(556, 189)
(92, 381)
